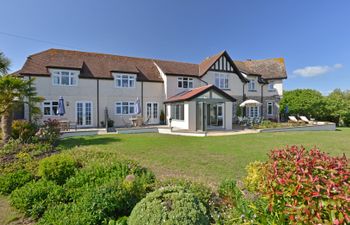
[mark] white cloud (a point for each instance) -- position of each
(312, 71)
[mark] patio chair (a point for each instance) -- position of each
(73, 125)
(127, 123)
(147, 121)
(305, 119)
(257, 120)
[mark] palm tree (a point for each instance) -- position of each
(14, 90)
(4, 64)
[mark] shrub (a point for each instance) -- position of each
(57, 168)
(34, 197)
(98, 174)
(309, 186)
(11, 181)
(23, 130)
(120, 221)
(246, 207)
(169, 205)
(96, 204)
(49, 132)
(254, 180)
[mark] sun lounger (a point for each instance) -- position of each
(293, 119)
(305, 119)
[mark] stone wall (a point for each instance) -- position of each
(263, 108)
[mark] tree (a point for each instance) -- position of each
(338, 107)
(4, 64)
(304, 102)
(13, 91)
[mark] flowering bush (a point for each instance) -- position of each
(49, 132)
(310, 187)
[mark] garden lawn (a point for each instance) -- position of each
(205, 159)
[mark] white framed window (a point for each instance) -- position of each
(253, 111)
(221, 81)
(270, 108)
(184, 82)
(64, 78)
(125, 108)
(252, 85)
(271, 86)
(50, 108)
(125, 80)
(177, 111)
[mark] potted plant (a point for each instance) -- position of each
(162, 117)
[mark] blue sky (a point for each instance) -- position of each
(313, 36)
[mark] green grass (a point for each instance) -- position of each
(208, 159)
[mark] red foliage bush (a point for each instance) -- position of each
(310, 187)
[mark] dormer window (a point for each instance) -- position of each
(125, 80)
(65, 78)
(271, 86)
(251, 85)
(185, 82)
(221, 81)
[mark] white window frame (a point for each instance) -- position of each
(84, 113)
(121, 104)
(250, 114)
(58, 73)
(129, 78)
(271, 86)
(221, 81)
(180, 107)
(252, 85)
(50, 105)
(268, 104)
(183, 80)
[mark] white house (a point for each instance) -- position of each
(192, 96)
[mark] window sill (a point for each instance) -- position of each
(252, 91)
(124, 87)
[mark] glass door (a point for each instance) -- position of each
(84, 113)
(215, 117)
(152, 112)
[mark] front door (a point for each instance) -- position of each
(84, 113)
(152, 112)
(215, 118)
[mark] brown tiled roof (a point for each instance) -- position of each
(208, 62)
(267, 68)
(188, 95)
(91, 64)
(96, 65)
(177, 68)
